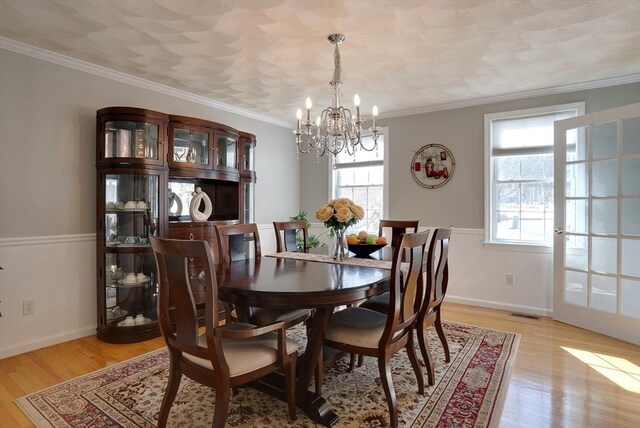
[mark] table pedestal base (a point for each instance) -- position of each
(315, 406)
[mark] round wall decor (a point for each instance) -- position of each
(432, 166)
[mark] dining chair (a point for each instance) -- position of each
(231, 240)
(436, 288)
(220, 357)
(363, 331)
(397, 227)
(286, 232)
(381, 302)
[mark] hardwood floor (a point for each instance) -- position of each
(550, 387)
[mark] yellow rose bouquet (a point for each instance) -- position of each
(338, 215)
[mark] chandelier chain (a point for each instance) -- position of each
(336, 128)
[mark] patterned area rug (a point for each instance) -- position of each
(469, 391)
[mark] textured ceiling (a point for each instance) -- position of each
(267, 56)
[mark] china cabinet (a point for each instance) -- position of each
(149, 167)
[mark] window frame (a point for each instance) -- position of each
(490, 203)
(384, 133)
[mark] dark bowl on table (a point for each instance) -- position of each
(364, 250)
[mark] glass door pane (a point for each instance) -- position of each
(190, 146)
(130, 289)
(131, 209)
(127, 139)
(226, 151)
(248, 159)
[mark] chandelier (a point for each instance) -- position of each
(336, 129)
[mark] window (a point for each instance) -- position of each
(519, 174)
(361, 178)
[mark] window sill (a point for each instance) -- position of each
(519, 247)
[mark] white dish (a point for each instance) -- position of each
(137, 283)
(121, 323)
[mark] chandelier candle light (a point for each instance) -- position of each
(336, 128)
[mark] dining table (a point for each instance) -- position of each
(297, 281)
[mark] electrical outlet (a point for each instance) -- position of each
(28, 307)
(510, 279)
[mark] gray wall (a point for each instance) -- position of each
(47, 147)
(461, 201)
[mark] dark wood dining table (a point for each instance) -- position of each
(282, 283)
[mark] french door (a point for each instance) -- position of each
(597, 217)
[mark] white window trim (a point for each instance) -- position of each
(385, 169)
(488, 174)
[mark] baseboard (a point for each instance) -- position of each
(529, 310)
(42, 342)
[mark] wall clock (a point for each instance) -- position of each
(432, 166)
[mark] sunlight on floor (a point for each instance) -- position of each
(620, 371)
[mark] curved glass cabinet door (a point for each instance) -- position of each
(128, 271)
(128, 139)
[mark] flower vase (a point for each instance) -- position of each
(341, 250)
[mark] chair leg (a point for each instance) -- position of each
(352, 362)
(443, 338)
(290, 385)
(169, 394)
(319, 373)
(411, 352)
(221, 408)
(423, 341)
(384, 367)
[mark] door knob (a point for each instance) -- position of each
(559, 230)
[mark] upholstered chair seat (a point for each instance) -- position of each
(246, 355)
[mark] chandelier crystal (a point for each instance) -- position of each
(336, 128)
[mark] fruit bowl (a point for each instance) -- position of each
(364, 250)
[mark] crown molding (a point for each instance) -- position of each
(66, 61)
(108, 73)
(574, 87)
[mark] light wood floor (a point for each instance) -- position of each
(549, 386)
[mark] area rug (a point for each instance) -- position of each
(469, 391)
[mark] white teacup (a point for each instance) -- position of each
(139, 319)
(141, 204)
(129, 321)
(131, 204)
(141, 277)
(130, 278)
